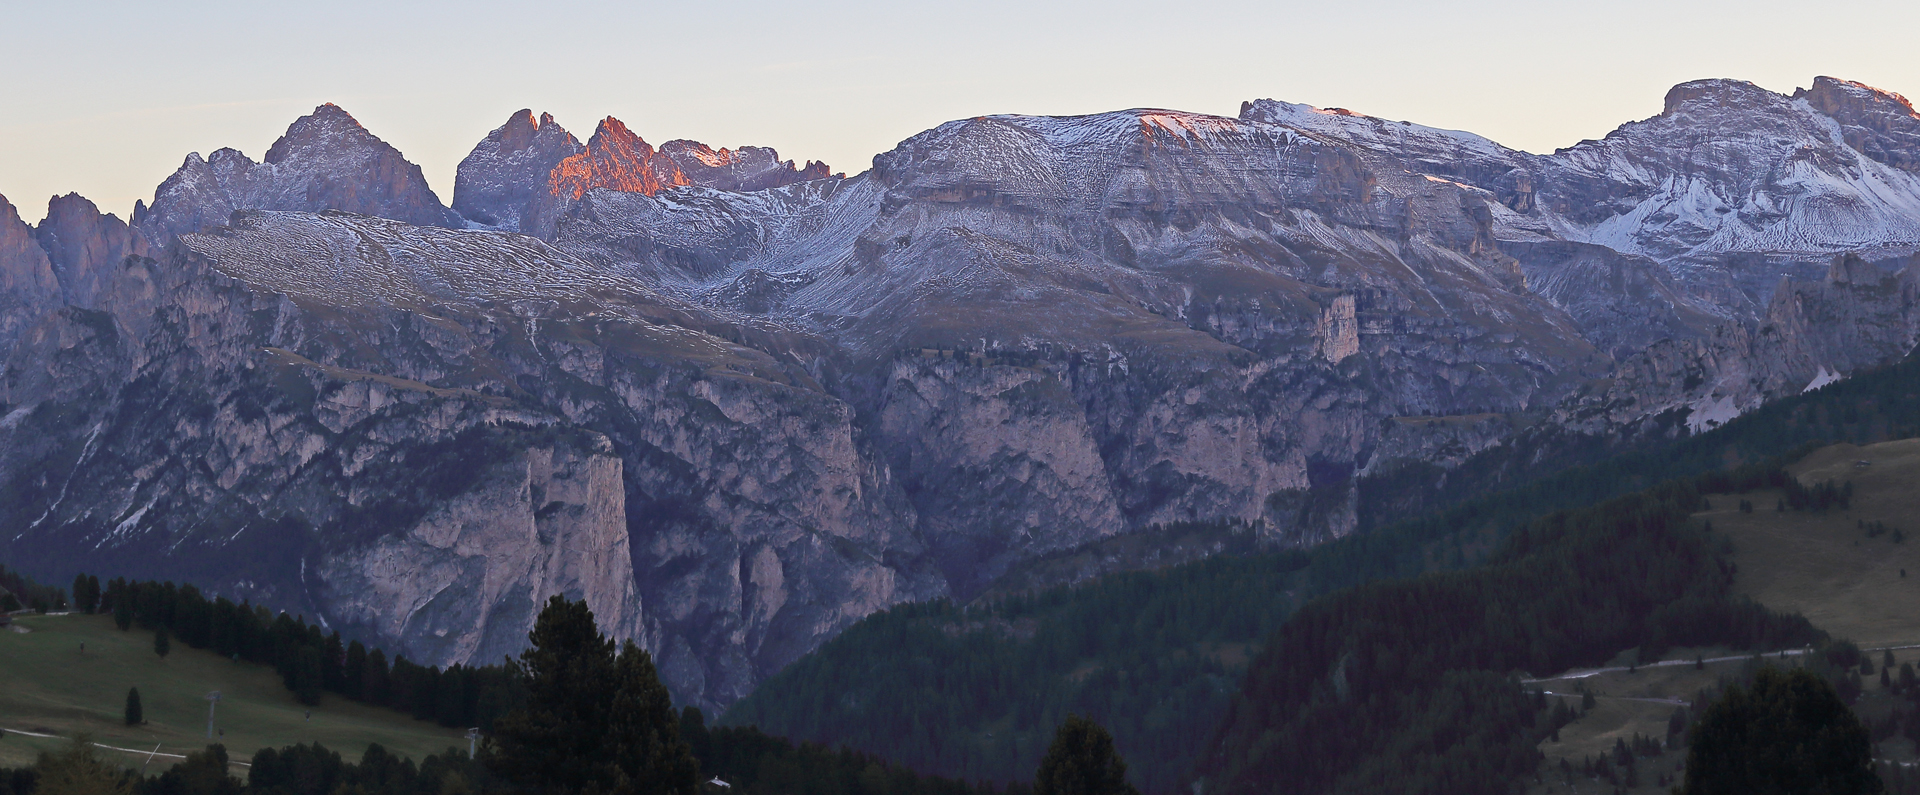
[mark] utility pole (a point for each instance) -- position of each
(473, 740)
(213, 700)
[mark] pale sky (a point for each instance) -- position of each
(105, 98)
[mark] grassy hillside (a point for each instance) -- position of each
(1822, 565)
(49, 686)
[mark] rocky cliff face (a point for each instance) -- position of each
(737, 404)
(28, 285)
(498, 183)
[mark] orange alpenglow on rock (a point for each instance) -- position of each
(615, 159)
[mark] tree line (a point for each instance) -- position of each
(19, 592)
(311, 662)
(594, 719)
(1410, 685)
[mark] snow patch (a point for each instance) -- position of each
(1822, 378)
(1710, 413)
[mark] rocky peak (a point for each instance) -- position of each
(615, 159)
(1722, 169)
(1719, 93)
(1880, 124)
(618, 159)
(500, 180)
(1846, 98)
(746, 168)
(84, 246)
(325, 161)
(328, 127)
(27, 284)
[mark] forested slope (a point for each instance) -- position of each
(974, 690)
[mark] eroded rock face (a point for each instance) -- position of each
(737, 407)
(467, 580)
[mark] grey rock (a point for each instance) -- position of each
(498, 183)
(325, 161)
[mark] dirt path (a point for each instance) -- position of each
(135, 751)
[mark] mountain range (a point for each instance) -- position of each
(737, 403)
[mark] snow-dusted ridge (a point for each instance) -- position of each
(791, 406)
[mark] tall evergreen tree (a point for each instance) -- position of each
(333, 664)
(1790, 733)
(122, 605)
(374, 684)
(161, 643)
(80, 594)
(1082, 761)
(596, 719)
(354, 672)
(304, 675)
(134, 714)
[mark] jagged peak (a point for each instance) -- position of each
(72, 203)
(614, 132)
(519, 123)
(521, 130)
(325, 125)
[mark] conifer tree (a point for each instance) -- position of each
(1789, 733)
(134, 714)
(122, 609)
(596, 718)
(1082, 761)
(354, 672)
(161, 643)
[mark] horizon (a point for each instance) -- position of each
(850, 79)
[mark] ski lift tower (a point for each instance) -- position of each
(213, 700)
